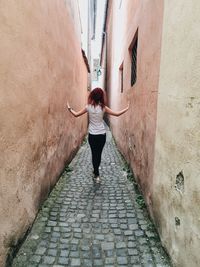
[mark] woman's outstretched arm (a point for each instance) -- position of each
(117, 113)
(76, 113)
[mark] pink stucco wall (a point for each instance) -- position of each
(41, 69)
(135, 131)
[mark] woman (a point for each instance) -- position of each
(97, 133)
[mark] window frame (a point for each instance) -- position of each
(134, 45)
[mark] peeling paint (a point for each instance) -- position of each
(180, 182)
(177, 221)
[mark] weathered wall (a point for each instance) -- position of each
(135, 131)
(160, 133)
(176, 185)
(41, 68)
(74, 10)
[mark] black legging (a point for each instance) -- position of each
(97, 143)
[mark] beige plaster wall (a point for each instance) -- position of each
(135, 131)
(41, 67)
(176, 184)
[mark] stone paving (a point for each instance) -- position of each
(83, 224)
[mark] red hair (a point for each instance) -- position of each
(97, 97)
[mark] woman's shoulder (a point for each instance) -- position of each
(88, 106)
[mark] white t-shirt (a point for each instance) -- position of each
(96, 122)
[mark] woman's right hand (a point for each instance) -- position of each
(128, 105)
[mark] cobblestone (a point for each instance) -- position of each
(83, 224)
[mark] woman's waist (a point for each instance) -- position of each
(97, 129)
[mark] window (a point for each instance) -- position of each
(121, 70)
(133, 53)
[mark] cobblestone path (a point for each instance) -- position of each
(87, 225)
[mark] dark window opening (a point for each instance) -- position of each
(134, 62)
(121, 69)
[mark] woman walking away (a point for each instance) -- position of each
(97, 133)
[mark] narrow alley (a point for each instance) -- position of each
(68, 66)
(90, 225)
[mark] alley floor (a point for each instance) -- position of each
(83, 224)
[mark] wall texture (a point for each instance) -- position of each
(160, 134)
(176, 186)
(135, 131)
(41, 68)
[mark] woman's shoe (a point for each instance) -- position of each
(97, 179)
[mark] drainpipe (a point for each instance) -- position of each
(105, 71)
(105, 41)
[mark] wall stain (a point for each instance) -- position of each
(180, 182)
